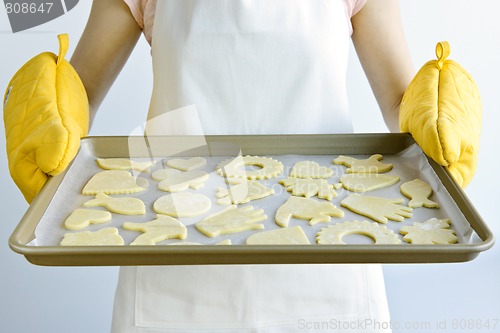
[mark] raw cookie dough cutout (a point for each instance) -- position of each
(282, 236)
(235, 168)
(369, 165)
(82, 218)
(310, 169)
(365, 182)
(231, 220)
(163, 174)
(124, 164)
(162, 228)
(114, 182)
(309, 187)
(187, 164)
(120, 205)
(183, 204)
(306, 209)
(103, 237)
(333, 234)
(419, 192)
(432, 231)
(241, 191)
(376, 208)
(178, 182)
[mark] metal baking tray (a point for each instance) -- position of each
(62, 193)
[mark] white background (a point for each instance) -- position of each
(55, 299)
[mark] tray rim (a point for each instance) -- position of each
(251, 254)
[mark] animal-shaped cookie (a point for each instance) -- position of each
(309, 187)
(333, 234)
(310, 169)
(369, 165)
(432, 231)
(178, 182)
(365, 182)
(187, 164)
(235, 168)
(231, 220)
(105, 236)
(81, 218)
(376, 208)
(123, 164)
(182, 204)
(162, 228)
(119, 205)
(419, 192)
(114, 182)
(306, 209)
(282, 236)
(242, 191)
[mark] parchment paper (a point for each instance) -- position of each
(408, 165)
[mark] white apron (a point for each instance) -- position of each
(251, 66)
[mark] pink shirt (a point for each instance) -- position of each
(144, 13)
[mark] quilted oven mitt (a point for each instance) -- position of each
(46, 112)
(442, 110)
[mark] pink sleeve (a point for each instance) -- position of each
(137, 10)
(356, 5)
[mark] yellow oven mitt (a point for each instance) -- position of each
(442, 110)
(46, 112)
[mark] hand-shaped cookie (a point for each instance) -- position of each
(231, 220)
(376, 208)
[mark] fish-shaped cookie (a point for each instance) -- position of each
(419, 192)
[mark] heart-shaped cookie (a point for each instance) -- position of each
(187, 164)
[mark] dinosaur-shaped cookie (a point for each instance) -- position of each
(119, 205)
(81, 218)
(307, 209)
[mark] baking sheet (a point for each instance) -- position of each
(410, 163)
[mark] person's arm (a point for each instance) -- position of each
(109, 37)
(381, 47)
